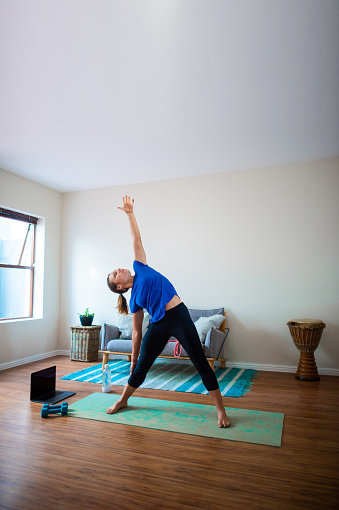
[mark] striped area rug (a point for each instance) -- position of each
(233, 382)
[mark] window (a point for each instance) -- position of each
(17, 264)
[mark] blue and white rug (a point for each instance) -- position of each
(233, 382)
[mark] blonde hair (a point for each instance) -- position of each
(122, 302)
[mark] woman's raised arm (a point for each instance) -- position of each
(139, 252)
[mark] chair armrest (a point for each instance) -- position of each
(109, 333)
(215, 340)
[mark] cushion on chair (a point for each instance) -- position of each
(109, 332)
(204, 324)
(125, 325)
(196, 314)
(214, 342)
(120, 345)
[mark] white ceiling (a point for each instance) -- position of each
(105, 92)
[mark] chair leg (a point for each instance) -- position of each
(104, 360)
(223, 363)
(129, 357)
(211, 363)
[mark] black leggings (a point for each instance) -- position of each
(178, 323)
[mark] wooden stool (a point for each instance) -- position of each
(306, 335)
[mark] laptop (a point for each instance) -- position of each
(43, 387)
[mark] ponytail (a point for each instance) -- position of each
(122, 305)
(122, 302)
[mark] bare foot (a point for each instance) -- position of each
(118, 405)
(223, 420)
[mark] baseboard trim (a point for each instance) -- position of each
(280, 368)
(30, 359)
(253, 366)
(63, 353)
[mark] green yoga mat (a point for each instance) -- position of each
(201, 420)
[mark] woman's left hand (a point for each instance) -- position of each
(127, 205)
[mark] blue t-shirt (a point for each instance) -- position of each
(151, 290)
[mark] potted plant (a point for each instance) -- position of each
(86, 318)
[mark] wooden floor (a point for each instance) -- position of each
(67, 463)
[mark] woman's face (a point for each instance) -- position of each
(120, 277)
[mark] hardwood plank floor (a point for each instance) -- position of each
(65, 463)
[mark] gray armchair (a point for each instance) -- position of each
(114, 340)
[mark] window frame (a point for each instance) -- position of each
(32, 221)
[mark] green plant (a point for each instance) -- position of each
(86, 314)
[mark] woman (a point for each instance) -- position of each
(169, 317)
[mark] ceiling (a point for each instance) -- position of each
(110, 92)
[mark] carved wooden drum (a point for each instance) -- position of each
(306, 335)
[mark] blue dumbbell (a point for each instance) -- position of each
(47, 409)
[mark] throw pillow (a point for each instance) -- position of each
(125, 325)
(204, 324)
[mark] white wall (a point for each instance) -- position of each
(261, 242)
(29, 338)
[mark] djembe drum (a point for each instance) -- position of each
(306, 335)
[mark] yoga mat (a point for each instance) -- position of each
(201, 420)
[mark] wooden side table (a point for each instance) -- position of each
(85, 343)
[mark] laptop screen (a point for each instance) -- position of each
(43, 382)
